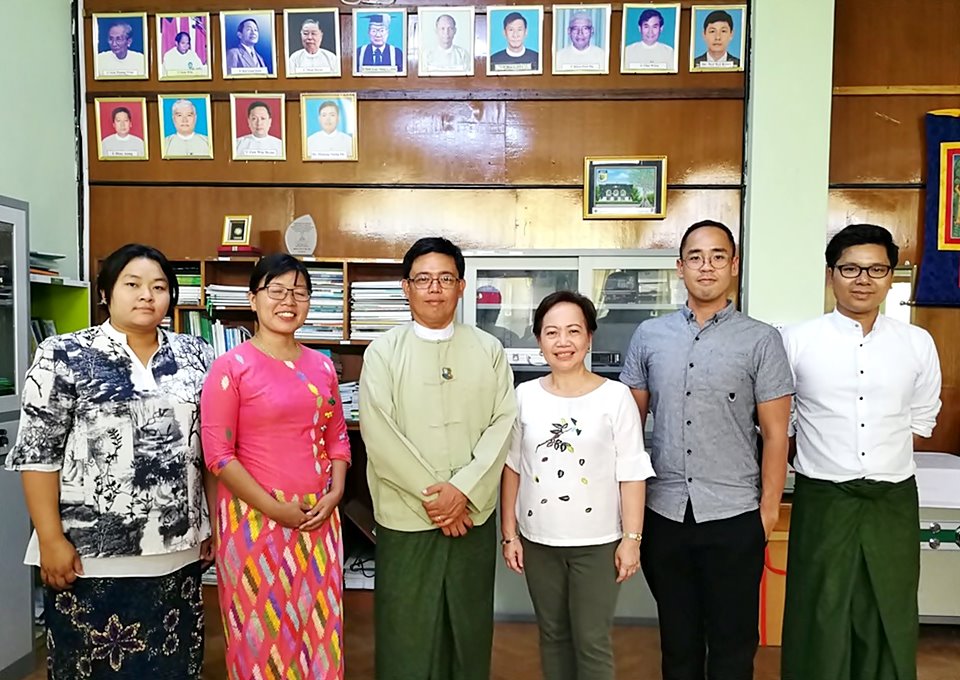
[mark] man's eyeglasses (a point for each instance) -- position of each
(277, 292)
(874, 271)
(717, 260)
(424, 281)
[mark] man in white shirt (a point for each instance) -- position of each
(580, 55)
(259, 143)
(185, 142)
(446, 57)
(329, 143)
(121, 144)
(867, 387)
(717, 35)
(649, 53)
(312, 59)
(120, 60)
(181, 59)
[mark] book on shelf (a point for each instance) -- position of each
(221, 337)
(376, 307)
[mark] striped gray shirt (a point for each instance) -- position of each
(705, 384)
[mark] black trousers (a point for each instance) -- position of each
(706, 580)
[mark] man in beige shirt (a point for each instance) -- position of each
(436, 413)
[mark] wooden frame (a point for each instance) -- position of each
(429, 54)
(568, 59)
(636, 57)
(738, 16)
(167, 135)
(236, 230)
(629, 193)
(496, 15)
(334, 147)
(258, 149)
(396, 23)
(267, 34)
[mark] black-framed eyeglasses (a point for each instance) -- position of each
(277, 292)
(874, 271)
(717, 260)
(424, 281)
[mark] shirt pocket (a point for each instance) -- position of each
(728, 379)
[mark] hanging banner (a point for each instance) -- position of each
(938, 283)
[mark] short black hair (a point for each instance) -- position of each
(240, 25)
(258, 105)
(858, 235)
(582, 301)
(114, 263)
(328, 104)
(433, 244)
(180, 36)
(273, 265)
(709, 223)
(513, 16)
(648, 14)
(716, 16)
(121, 109)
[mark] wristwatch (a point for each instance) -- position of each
(633, 536)
(504, 541)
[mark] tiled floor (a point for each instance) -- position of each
(515, 649)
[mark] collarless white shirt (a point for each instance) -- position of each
(861, 398)
(433, 334)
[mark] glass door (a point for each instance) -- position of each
(626, 292)
(14, 302)
(501, 296)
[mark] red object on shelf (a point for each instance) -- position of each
(238, 250)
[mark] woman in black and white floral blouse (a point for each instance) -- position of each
(110, 427)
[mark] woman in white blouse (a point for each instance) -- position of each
(572, 494)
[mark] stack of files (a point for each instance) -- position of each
(350, 398)
(325, 316)
(45, 263)
(376, 307)
(188, 278)
(209, 577)
(227, 297)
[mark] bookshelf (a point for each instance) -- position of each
(65, 302)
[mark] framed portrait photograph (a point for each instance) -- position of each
(616, 187)
(247, 45)
(650, 38)
(311, 42)
(183, 46)
(120, 46)
(121, 128)
(236, 230)
(445, 41)
(581, 39)
(329, 126)
(258, 127)
(717, 35)
(186, 126)
(381, 40)
(515, 37)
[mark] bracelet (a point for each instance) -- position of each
(636, 537)
(504, 541)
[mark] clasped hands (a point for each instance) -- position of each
(448, 510)
(303, 516)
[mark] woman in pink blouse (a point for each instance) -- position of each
(275, 436)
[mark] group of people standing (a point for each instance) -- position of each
(135, 445)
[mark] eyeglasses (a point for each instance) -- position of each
(424, 281)
(874, 271)
(717, 260)
(277, 292)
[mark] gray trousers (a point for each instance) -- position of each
(574, 592)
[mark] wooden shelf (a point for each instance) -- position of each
(362, 516)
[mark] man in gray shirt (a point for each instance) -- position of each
(710, 375)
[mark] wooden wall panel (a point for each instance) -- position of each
(153, 6)
(683, 84)
(881, 138)
(186, 222)
(527, 142)
(899, 210)
(896, 42)
(944, 325)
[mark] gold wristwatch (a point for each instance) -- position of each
(633, 536)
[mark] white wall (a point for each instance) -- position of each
(37, 148)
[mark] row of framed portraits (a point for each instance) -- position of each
(443, 40)
(258, 129)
